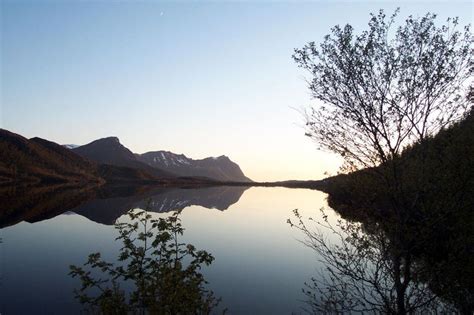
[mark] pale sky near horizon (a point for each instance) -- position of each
(199, 78)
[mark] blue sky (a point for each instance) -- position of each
(199, 78)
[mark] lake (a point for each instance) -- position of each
(260, 264)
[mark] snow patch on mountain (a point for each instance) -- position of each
(70, 146)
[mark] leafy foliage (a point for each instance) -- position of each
(385, 89)
(164, 273)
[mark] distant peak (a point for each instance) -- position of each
(110, 139)
(107, 142)
(116, 139)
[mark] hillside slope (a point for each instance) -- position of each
(39, 160)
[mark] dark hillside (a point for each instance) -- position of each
(39, 160)
(423, 200)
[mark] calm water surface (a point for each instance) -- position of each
(260, 265)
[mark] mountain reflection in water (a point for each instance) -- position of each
(259, 268)
(105, 205)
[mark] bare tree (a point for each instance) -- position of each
(386, 87)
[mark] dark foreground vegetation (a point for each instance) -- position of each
(409, 243)
(154, 274)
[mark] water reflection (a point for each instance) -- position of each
(259, 265)
(395, 263)
(365, 272)
(106, 204)
(164, 274)
(37, 203)
(160, 200)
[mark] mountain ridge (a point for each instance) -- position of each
(110, 151)
(161, 163)
(220, 168)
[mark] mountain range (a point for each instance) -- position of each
(105, 161)
(110, 151)
(220, 168)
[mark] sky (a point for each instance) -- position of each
(198, 78)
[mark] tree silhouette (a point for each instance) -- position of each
(386, 88)
(385, 93)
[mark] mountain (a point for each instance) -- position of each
(70, 146)
(39, 160)
(28, 161)
(162, 164)
(219, 168)
(110, 151)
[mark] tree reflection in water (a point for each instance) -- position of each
(366, 270)
(165, 274)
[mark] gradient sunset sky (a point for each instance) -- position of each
(203, 79)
